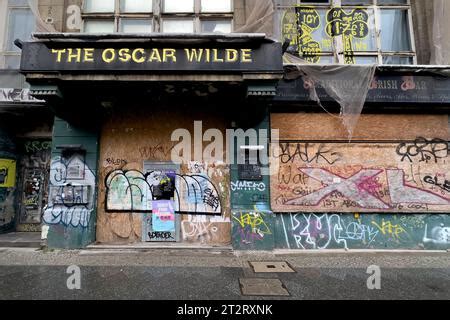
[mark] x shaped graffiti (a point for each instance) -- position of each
(357, 188)
(362, 187)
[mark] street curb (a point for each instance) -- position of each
(155, 247)
(20, 244)
(355, 251)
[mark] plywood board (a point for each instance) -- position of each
(386, 127)
(362, 177)
(131, 136)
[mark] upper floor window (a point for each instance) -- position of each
(349, 31)
(19, 24)
(169, 16)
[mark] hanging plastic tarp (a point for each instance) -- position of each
(441, 37)
(431, 20)
(338, 81)
(259, 17)
(302, 27)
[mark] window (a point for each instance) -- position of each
(215, 6)
(99, 26)
(99, 6)
(171, 25)
(136, 6)
(169, 16)
(20, 24)
(176, 6)
(348, 31)
(135, 25)
(209, 26)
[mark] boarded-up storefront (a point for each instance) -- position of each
(136, 164)
(397, 163)
(385, 188)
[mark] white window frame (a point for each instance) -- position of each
(157, 15)
(337, 41)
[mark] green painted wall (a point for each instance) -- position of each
(365, 231)
(250, 195)
(252, 219)
(71, 225)
(253, 230)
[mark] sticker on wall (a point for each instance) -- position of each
(308, 21)
(7, 173)
(76, 168)
(163, 216)
(350, 25)
(312, 30)
(165, 189)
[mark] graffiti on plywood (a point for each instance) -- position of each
(423, 150)
(200, 229)
(336, 181)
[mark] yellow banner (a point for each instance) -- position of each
(7, 173)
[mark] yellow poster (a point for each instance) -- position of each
(7, 173)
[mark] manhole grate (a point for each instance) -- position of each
(271, 267)
(262, 287)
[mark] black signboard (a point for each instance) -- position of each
(101, 57)
(384, 89)
(249, 172)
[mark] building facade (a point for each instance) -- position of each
(26, 129)
(257, 124)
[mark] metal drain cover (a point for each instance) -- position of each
(271, 267)
(262, 287)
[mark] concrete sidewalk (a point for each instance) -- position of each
(191, 274)
(219, 258)
(20, 240)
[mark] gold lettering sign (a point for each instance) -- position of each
(155, 55)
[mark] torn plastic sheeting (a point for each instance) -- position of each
(338, 81)
(431, 24)
(441, 38)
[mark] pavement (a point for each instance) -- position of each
(221, 274)
(21, 239)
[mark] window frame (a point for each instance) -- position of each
(4, 52)
(158, 15)
(337, 43)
